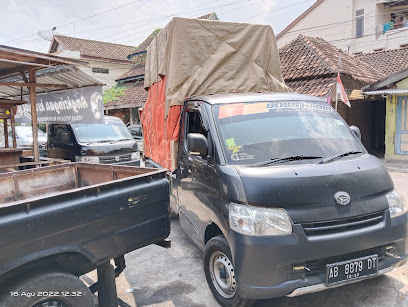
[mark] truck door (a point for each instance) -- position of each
(193, 189)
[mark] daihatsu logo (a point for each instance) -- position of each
(342, 198)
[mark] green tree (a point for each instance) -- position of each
(113, 93)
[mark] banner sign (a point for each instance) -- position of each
(83, 105)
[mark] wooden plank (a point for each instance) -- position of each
(13, 128)
(8, 102)
(33, 84)
(6, 51)
(25, 63)
(33, 99)
(24, 77)
(5, 116)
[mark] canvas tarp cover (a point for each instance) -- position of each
(199, 57)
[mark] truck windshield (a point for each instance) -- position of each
(97, 133)
(258, 132)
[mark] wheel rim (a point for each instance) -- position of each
(222, 274)
(50, 303)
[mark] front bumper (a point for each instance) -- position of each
(264, 265)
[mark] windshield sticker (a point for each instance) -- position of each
(265, 107)
(231, 145)
(239, 156)
(339, 122)
(231, 110)
(296, 105)
(255, 108)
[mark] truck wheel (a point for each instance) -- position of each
(220, 275)
(50, 289)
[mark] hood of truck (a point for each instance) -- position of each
(306, 191)
(108, 148)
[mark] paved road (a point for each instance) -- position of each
(161, 277)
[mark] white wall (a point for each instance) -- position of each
(115, 71)
(342, 35)
(325, 21)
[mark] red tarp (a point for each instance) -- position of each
(159, 131)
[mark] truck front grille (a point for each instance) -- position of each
(115, 159)
(327, 227)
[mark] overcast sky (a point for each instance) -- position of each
(128, 22)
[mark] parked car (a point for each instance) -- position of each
(109, 142)
(137, 132)
(24, 138)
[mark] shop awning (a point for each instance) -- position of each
(386, 92)
(25, 72)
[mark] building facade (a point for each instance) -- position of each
(354, 26)
(107, 61)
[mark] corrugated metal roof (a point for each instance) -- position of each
(66, 75)
(387, 92)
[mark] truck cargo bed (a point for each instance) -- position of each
(91, 211)
(44, 181)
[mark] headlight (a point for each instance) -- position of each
(397, 203)
(258, 221)
(87, 159)
(135, 156)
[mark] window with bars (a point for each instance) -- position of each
(100, 70)
(359, 23)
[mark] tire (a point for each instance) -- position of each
(35, 291)
(219, 272)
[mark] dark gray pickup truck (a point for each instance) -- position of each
(60, 222)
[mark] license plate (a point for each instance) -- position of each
(346, 271)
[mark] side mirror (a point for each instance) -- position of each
(197, 144)
(65, 137)
(356, 131)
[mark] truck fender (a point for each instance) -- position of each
(47, 256)
(214, 229)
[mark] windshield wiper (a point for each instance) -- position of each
(330, 159)
(105, 141)
(301, 157)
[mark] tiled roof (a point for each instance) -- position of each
(143, 46)
(135, 96)
(388, 61)
(135, 71)
(93, 48)
(310, 57)
(317, 87)
(211, 16)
